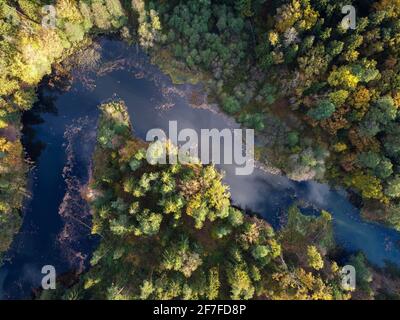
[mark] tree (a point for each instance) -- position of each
(335, 48)
(180, 257)
(120, 226)
(343, 77)
(361, 98)
(393, 187)
(235, 217)
(240, 282)
(213, 284)
(292, 139)
(5, 145)
(388, 108)
(102, 18)
(30, 9)
(87, 15)
(363, 274)
(149, 223)
(324, 110)
(253, 120)
(384, 169)
(391, 141)
(74, 32)
(338, 98)
(315, 260)
(369, 186)
(221, 231)
(269, 92)
(231, 105)
(244, 7)
(369, 159)
(146, 289)
(380, 116)
(261, 253)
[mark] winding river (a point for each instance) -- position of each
(59, 137)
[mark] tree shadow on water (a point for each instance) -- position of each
(32, 118)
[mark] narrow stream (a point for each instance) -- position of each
(59, 137)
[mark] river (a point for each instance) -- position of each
(59, 137)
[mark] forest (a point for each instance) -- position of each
(322, 98)
(169, 231)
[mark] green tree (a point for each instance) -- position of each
(323, 110)
(231, 105)
(393, 187)
(292, 139)
(369, 159)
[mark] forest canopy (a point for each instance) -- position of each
(169, 231)
(323, 99)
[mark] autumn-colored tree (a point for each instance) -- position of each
(314, 258)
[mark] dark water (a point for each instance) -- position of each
(60, 136)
